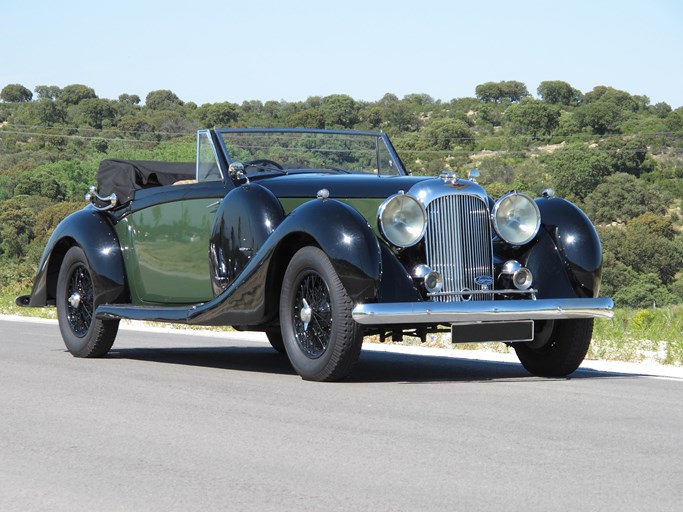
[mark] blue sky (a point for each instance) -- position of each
(229, 50)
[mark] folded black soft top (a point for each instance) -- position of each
(124, 177)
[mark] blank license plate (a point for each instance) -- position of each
(478, 332)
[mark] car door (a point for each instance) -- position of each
(165, 242)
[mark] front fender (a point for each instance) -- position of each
(576, 242)
(94, 232)
(347, 239)
(251, 298)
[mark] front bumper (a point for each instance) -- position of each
(411, 313)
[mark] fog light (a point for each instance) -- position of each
(521, 277)
(433, 282)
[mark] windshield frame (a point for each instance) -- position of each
(224, 133)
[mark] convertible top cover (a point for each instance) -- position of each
(124, 177)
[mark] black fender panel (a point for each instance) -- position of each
(94, 232)
(577, 242)
(347, 240)
(397, 285)
(247, 216)
(549, 269)
(339, 230)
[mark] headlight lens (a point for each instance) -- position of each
(402, 220)
(516, 218)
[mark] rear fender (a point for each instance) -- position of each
(94, 232)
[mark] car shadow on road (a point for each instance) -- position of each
(373, 366)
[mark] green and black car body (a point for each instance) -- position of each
(319, 238)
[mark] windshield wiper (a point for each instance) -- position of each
(263, 165)
(338, 169)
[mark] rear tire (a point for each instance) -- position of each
(321, 338)
(562, 353)
(77, 301)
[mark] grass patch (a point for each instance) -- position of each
(640, 335)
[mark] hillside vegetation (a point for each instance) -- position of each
(613, 153)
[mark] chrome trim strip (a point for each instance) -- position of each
(481, 311)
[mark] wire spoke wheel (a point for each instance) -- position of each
(77, 299)
(312, 315)
(320, 337)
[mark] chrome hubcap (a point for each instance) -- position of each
(306, 314)
(75, 300)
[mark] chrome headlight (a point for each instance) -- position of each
(402, 220)
(516, 218)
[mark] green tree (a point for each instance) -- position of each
(163, 99)
(40, 183)
(601, 117)
(674, 120)
(646, 252)
(498, 92)
(623, 197)
(129, 99)
(531, 117)
(558, 92)
(217, 114)
(96, 112)
(339, 110)
(15, 93)
(307, 118)
(136, 125)
(576, 173)
(401, 117)
(445, 135)
(626, 155)
(42, 112)
(50, 92)
(75, 93)
(419, 100)
(661, 109)
(16, 228)
(372, 116)
(644, 291)
(48, 218)
(658, 225)
(488, 92)
(604, 109)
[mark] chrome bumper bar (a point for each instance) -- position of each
(480, 311)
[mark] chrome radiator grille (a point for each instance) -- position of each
(458, 242)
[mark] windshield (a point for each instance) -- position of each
(363, 152)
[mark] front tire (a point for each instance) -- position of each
(321, 338)
(77, 300)
(560, 352)
(275, 339)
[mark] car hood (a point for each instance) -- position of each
(338, 185)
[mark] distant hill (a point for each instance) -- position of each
(616, 155)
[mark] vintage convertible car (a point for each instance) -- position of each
(319, 238)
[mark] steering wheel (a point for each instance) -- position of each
(263, 161)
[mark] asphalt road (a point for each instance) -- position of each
(176, 422)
